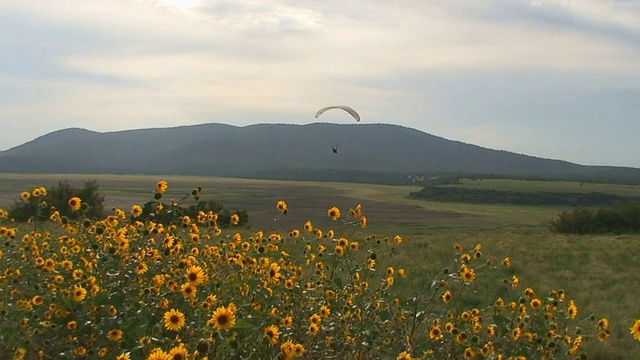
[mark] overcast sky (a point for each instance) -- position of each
(551, 78)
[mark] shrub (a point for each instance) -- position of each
(623, 218)
(39, 203)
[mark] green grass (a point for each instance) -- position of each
(600, 272)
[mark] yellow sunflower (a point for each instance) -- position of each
(123, 356)
(435, 333)
(158, 354)
(162, 186)
(635, 330)
(136, 211)
(467, 274)
(282, 206)
(446, 297)
(196, 275)
(334, 213)
(114, 335)
(188, 290)
(173, 320)
(79, 293)
(273, 334)
(572, 310)
(74, 203)
(178, 353)
(223, 319)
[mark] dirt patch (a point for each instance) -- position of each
(306, 201)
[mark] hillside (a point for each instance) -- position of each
(284, 151)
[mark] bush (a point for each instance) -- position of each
(624, 218)
(39, 203)
(167, 214)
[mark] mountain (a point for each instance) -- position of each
(284, 151)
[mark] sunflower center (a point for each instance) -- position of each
(193, 277)
(175, 319)
(222, 319)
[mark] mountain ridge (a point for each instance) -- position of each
(216, 149)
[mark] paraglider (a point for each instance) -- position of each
(335, 150)
(343, 107)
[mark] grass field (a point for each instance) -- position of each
(600, 272)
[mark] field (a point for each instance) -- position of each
(600, 272)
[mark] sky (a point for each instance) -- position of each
(556, 79)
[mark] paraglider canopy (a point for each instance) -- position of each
(343, 107)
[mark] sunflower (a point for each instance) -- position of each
(334, 213)
(161, 186)
(528, 292)
(325, 311)
(468, 275)
(273, 334)
(178, 353)
(123, 356)
(515, 281)
(114, 335)
(188, 290)
(72, 325)
(282, 206)
(435, 333)
(235, 219)
(572, 310)
(603, 335)
(298, 350)
(195, 275)
(287, 349)
(37, 300)
(103, 352)
(274, 272)
(288, 322)
(74, 203)
(79, 293)
(536, 304)
(290, 284)
(506, 262)
(404, 356)
(141, 268)
(25, 195)
(363, 221)
(315, 319)
(158, 354)
(469, 353)
(634, 330)
(603, 324)
(314, 329)
(136, 211)
(308, 226)
(491, 330)
(446, 297)
(223, 319)
(173, 320)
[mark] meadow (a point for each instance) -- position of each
(440, 245)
